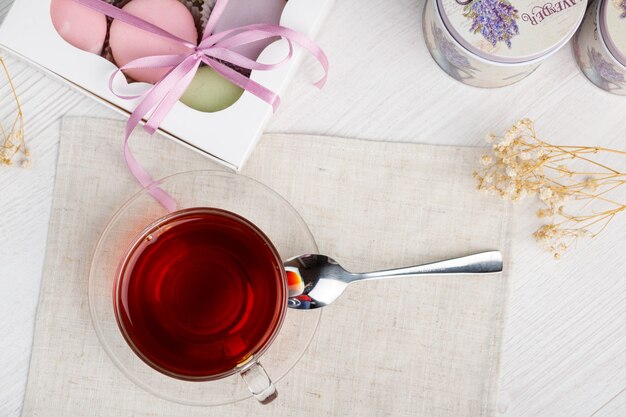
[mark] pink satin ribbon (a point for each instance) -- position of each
(156, 103)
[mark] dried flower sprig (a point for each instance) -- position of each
(574, 189)
(13, 142)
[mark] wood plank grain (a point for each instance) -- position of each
(616, 406)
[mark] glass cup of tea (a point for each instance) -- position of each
(186, 303)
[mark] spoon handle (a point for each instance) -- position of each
(480, 263)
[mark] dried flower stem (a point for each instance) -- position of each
(13, 139)
(522, 164)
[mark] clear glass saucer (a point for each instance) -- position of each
(233, 192)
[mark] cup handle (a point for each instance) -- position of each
(259, 383)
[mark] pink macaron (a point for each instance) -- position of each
(82, 27)
(129, 43)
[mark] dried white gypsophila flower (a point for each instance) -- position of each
(521, 164)
(12, 139)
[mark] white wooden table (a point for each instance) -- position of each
(565, 343)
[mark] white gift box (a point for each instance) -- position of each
(227, 136)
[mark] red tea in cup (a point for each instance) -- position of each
(200, 292)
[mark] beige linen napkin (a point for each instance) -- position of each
(406, 347)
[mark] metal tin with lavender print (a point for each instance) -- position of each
(600, 45)
(493, 43)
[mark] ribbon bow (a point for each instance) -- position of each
(213, 50)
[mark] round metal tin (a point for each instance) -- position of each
(600, 46)
(493, 43)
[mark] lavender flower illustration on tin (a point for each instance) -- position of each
(603, 68)
(448, 50)
(494, 19)
(449, 58)
(623, 16)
